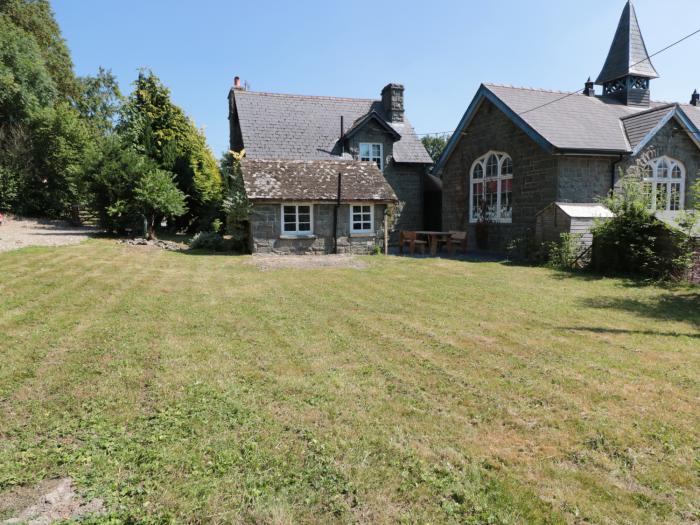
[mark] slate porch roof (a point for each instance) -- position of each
(301, 127)
(314, 180)
(562, 123)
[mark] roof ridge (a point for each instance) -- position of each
(326, 97)
(662, 107)
(508, 86)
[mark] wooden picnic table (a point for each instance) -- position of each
(433, 239)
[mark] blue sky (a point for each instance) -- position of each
(440, 50)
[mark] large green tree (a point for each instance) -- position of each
(36, 18)
(99, 100)
(435, 145)
(156, 127)
(128, 188)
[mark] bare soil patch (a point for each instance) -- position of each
(50, 501)
(307, 262)
(18, 232)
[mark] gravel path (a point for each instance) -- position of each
(18, 232)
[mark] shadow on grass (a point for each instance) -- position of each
(600, 330)
(683, 307)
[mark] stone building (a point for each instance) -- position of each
(516, 150)
(280, 127)
(316, 206)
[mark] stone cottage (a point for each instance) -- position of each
(516, 150)
(316, 206)
(320, 132)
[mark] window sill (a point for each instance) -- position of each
(294, 237)
(500, 221)
(362, 235)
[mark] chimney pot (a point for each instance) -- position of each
(589, 89)
(237, 82)
(695, 98)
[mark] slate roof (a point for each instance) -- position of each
(628, 54)
(639, 126)
(575, 123)
(314, 180)
(280, 126)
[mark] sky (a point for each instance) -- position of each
(440, 50)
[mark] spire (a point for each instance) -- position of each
(628, 54)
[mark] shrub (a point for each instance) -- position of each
(211, 241)
(634, 241)
(567, 253)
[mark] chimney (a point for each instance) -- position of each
(589, 89)
(392, 101)
(695, 98)
(237, 83)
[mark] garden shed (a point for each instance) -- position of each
(565, 217)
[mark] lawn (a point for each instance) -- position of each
(199, 388)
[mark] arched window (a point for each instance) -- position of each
(664, 184)
(491, 188)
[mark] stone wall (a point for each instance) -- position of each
(673, 142)
(266, 231)
(584, 179)
(534, 179)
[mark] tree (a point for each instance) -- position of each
(159, 129)
(157, 195)
(435, 144)
(36, 18)
(127, 186)
(99, 100)
(236, 204)
(62, 145)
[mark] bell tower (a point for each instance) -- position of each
(628, 70)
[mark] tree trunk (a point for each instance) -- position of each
(152, 228)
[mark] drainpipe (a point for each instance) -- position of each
(614, 169)
(335, 216)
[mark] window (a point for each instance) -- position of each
(491, 188)
(297, 219)
(664, 184)
(372, 152)
(361, 218)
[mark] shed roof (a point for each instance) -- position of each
(314, 180)
(584, 210)
(301, 127)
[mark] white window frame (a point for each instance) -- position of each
(371, 218)
(297, 232)
(499, 178)
(653, 164)
(372, 158)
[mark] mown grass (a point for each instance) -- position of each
(196, 388)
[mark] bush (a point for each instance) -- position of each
(211, 241)
(634, 241)
(567, 253)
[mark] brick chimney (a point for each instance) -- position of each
(392, 100)
(589, 89)
(695, 98)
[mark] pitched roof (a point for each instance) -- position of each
(315, 180)
(639, 126)
(280, 126)
(628, 54)
(575, 123)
